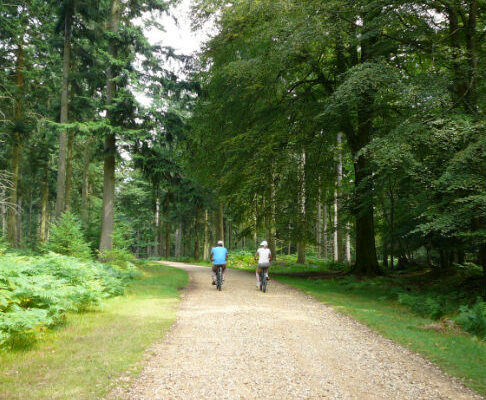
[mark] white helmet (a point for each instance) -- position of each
(220, 242)
(264, 243)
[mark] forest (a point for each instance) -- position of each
(350, 135)
(354, 130)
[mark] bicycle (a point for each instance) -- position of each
(219, 278)
(263, 279)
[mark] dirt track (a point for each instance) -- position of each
(243, 344)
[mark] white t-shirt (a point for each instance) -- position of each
(264, 255)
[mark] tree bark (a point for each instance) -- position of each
(69, 171)
(347, 255)
(157, 227)
(206, 235)
(44, 203)
(301, 241)
(324, 233)
(196, 237)
(3, 208)
(63, 139)
(337, 193)
(19, 221)
(16, 152)
(319, 220)
(366, 258)
(85, 183)
(220, 232)
(472, 57)
(107, 222)
(178, 240)
(272, 234)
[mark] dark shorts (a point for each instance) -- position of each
(215, 267)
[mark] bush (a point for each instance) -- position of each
(473, 319)
(426, 306)
(37, 292)
(66, 238)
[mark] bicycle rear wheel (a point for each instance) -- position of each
(263, 281)
(219, 278)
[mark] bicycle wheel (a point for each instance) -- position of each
(264, 283)
(219, 278)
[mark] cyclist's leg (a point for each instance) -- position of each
(257, 273)
(224, 270)
(213, 274)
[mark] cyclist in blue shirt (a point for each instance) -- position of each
(219, 255)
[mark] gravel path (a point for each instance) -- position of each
(243, 344)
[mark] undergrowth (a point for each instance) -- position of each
(37, 292)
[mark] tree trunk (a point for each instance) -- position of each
(44, 203)
(29, 229)
(319, 221)
(366, 259)
(472, 57)
(12, 234)
(178, 240)
(196, 238)
(85, 183)
(301, 241)
(63, 139)
(220, 231)
(107, 222)
(69, 171)
(337, 193)
(255, 222)
(19, 221)
(206, 235)
(3, 208)
(324, 233)
(272, 234)
(347, 255)
(167, 239)
(157, 227)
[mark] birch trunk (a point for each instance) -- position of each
(157, 227)
(324, 234)
(301, 241)
(206, 235)
(337, 193)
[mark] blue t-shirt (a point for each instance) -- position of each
(219, 255)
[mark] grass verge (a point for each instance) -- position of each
(82, 359)
(458, 354)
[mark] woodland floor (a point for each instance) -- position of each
(244, 344)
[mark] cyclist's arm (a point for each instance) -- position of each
(269, 255)
(256, 255)
(226, 258)
(211, 256)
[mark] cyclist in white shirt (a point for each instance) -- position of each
(264, 256)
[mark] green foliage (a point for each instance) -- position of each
(473, 319)
(36, 292)
(425, 306)
(67, 238)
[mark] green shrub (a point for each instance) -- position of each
(66, 237)
(473, 319)
(3, 245)
(37, 292)
(426, 306)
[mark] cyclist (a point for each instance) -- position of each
(219, 256)
(264, 256)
